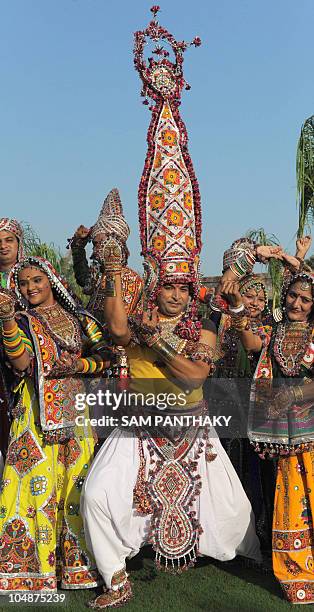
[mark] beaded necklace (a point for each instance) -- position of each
(169, 322)
(168, 325)
(61, 325)
(291, 341)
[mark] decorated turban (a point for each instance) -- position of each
(111, 219)
(13, 226)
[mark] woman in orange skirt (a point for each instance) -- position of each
(281, 423)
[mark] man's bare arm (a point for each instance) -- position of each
(115, 314)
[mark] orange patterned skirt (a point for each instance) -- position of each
(293, 540)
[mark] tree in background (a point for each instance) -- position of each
(275, 267)
(305, 175)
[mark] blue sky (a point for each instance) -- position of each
(73, 126)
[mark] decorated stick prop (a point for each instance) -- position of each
(169, 198)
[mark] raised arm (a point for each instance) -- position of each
(80, 263)
(240, 320)
(302, 247)
(114, 310)
(245, 261)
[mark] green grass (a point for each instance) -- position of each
(210, 586)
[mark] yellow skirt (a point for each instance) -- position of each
(41, 530)
(293, 527)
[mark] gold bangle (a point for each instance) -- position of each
(110, 286)
(164, 349)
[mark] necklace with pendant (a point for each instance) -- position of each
(291, 342)
(168, 325)
(61, 325)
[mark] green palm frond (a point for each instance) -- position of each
(34, 246)
(275, 267)
(305, 176)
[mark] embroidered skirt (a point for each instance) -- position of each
(293, 544)
(41, 531)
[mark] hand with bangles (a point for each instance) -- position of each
(7, 305)
(108, 253)
(265, 252)
(66, 364)
(150, 330)
(230, 291)
(227, 295)
(283, 400)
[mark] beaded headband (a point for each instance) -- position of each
(253, 282)
(304, 277)
(58, 285)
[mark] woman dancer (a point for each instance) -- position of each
(281, 423)
(41, 532)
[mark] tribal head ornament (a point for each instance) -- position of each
(13, 226)
(305, 278)
(254, 282)
(111, 221)
(169, 198)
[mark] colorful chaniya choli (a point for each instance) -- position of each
(42, 537)
(235, 367)
(288, 354)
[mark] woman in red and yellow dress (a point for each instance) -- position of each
(41, 531)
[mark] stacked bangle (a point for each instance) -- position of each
(93, 332)
(91, 365)
(243, 264)
(13, 342)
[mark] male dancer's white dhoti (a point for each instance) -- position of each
(115, 530)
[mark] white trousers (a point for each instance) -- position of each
(115, 531)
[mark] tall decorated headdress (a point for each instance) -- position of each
(169, 198)
(13, 226)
